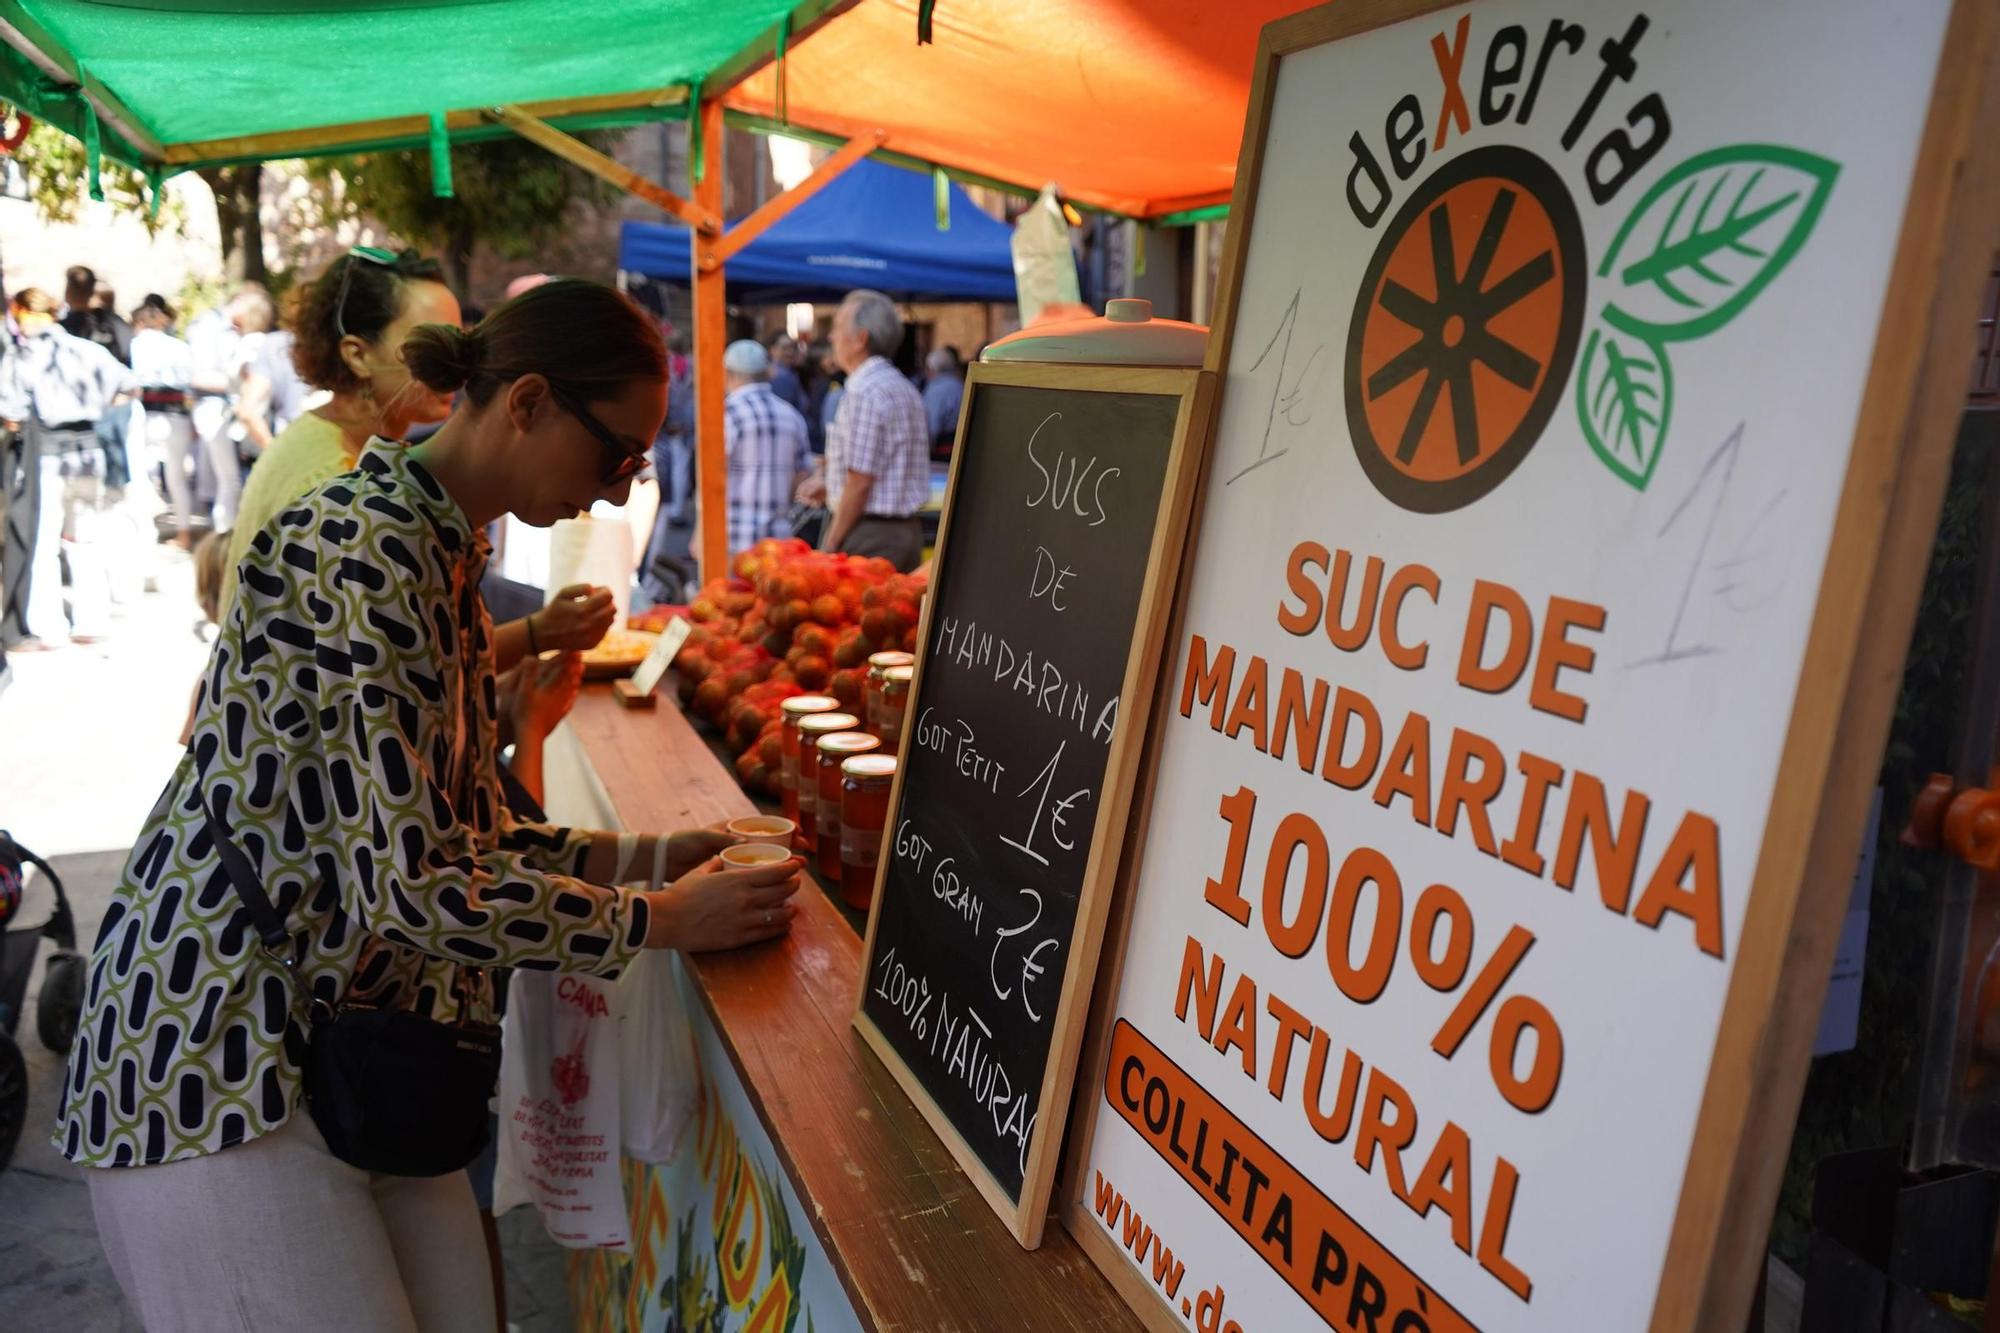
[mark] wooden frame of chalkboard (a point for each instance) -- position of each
(1189, 392)
(1870, 587)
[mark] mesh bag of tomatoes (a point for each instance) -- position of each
(789, 620)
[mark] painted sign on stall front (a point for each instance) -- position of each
(1545, 350)
(719, 1241)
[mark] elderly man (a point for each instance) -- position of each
(767, 446)
(877, 473)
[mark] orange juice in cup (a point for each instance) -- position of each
(774, 829)
(750, 855)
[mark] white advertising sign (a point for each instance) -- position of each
(1547, 351)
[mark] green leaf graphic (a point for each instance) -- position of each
(1625, 396)
(1710, 235)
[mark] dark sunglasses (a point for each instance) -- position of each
(622, 462)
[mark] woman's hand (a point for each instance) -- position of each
(719, 908)
(575, 621)
(690, 847)
(544, 693)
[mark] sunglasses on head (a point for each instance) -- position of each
(621, 461)
(366, 254)
(409, 265)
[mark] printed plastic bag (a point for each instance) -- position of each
(559, 1108)
(660, 1084)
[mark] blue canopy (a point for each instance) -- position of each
(874, 226)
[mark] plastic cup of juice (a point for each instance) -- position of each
(750, 855)
(774, 829)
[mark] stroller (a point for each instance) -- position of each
(61, 1000)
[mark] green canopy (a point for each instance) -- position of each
(192, 83)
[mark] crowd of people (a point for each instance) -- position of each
(116, 428)
(828, 441)
(121, 430)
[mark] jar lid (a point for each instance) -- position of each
(900, 673)
(870, 766)
(891, 657)
(851, 742)
(820, 723)
(810, 703)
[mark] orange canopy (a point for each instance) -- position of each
(1135, 106)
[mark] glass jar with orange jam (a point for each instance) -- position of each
(811, 727)
(865, 781)
(791, 710)
(895, 703)
(834, 750)
(878, 663)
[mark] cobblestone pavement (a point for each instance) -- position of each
(88, 737)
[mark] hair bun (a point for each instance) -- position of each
(443, 358)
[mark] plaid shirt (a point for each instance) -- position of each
(881, 430)
(768, 447)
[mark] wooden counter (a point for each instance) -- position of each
(914, 1245)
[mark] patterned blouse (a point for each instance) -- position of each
(347, 731)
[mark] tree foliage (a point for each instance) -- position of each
(509, 195)
(58, 182)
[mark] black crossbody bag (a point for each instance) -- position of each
(390, 1091)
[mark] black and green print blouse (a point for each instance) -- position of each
(346, 728)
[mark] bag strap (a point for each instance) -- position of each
(263, 914)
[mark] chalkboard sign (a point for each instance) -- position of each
(1040, 646)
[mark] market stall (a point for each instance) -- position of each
(808, 1157)
(1677, 905)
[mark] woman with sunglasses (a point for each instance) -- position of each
(344, 747)
(347, 328)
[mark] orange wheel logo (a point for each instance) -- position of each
(1464, 329)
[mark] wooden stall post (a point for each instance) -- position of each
(710, 331)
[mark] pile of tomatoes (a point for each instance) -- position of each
(790, 620)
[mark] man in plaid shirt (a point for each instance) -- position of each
(767, 445)
(878, 471)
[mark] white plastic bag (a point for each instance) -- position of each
(659, 1083)
(559, 1109)
(1044, 264)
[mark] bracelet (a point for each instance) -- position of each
(628, 844)
(659, 863)
(534, 648)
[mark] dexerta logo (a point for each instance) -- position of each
(1470, 313)
(1439, 421)
(1696, 250)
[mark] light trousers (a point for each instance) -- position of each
(278, 1233)
(212, 419)
(172, 434)
(71, 528)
